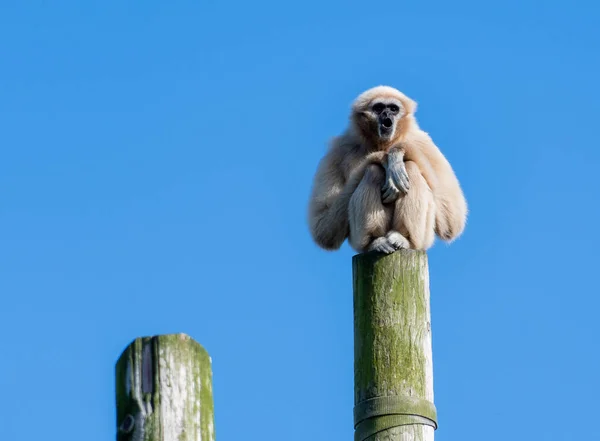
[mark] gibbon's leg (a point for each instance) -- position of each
(369, 219)
(414, 214)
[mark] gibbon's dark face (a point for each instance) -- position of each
(387, 114)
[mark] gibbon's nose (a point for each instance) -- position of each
(387, 122)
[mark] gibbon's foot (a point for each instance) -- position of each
(397, 240)
(381, 245)
(389, 243)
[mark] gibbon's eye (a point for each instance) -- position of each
(394, 108)
(377, 108)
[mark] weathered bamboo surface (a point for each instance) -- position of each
(164, 390)
(393, 371)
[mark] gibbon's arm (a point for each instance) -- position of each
(451, 205)
(414, 152)
(328, 206)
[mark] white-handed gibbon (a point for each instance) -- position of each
(383, 183)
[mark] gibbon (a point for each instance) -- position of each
(383, 184)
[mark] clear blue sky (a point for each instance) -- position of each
(156, 159)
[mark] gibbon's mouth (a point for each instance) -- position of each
(385, 132)
(387, 123)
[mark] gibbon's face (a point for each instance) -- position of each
(382, 114)
(386, 113)
(379, 119)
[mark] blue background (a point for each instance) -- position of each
(156, 160)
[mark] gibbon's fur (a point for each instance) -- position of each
(383, 183)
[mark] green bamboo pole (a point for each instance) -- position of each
(164, 390)
(393, 371)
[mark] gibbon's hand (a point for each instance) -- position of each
(389, 192)
(396, 171)
(396, 177)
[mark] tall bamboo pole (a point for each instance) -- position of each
(393, 371)
(164, 391)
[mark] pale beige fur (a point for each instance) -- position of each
(346, 199)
